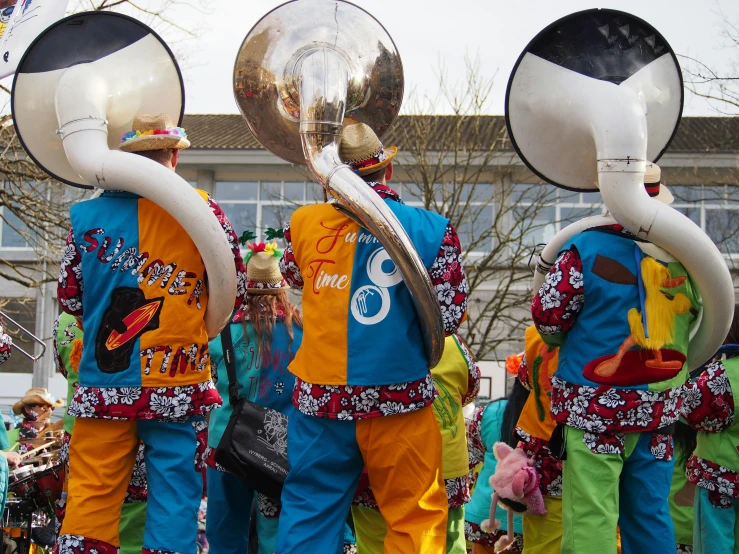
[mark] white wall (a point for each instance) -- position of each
(493, 380)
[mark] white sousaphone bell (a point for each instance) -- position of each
(76, 92)
(592, 99)
(301, 71)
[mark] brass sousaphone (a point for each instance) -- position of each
(301, 71)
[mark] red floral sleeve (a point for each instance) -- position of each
(6, 344)
(560, 299)
(475, 444)
(288, 264)
(709, 403)
(70, 284)
(233, 242)
(473, 373)
(449, 280)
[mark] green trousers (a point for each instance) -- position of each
(628, 490)
(131, 529)
(370, 528)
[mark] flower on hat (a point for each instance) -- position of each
(257, 247)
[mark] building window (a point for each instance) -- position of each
(260, 205)
(10, 232)
(22, 310)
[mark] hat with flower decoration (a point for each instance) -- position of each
(362, 150)
(263, 268)
(153, 132)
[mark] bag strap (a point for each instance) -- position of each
(228, 356)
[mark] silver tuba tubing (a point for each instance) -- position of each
(323, 88)
(34, 338)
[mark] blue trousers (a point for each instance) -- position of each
(229, 512)
(643, 510)
(714, 529)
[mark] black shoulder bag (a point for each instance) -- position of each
(254, 445)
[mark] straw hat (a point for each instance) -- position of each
(37, 395)
(362, 150)
(653, 185)
(263, 269)
(153, 132)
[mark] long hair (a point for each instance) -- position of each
(516, 401)
(262, 311)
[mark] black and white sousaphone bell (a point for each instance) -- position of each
(592, 99)
(305, 68)
(76, 92)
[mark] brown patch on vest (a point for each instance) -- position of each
(613, 271)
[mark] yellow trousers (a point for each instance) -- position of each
(543, 534)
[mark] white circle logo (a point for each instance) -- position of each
(363, 303)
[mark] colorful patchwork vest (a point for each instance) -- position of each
(359, 321)
(723, 448)
(451, 380)
(541, 360)
(144, 299)
(636, 309)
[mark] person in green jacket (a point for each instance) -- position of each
(710, 408)
(67, 353)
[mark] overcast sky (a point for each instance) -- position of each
(428, 30)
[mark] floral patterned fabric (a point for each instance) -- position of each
(709, 401)
(473, 374)
(548, 466)
(76, 544)
(352, 403)
(473, 533)
(457, 493)
(141, 403)
(6, 344)
(561, 297)
(721, 483)
(268, 507)
(684, 549)
(709, 408)
(360, 402)
(475, 444)
(602, 409)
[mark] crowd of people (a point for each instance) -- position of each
(604, 443)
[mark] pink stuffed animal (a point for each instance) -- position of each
(514, 479)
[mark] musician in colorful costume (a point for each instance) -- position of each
(621, 311)
(457, 379)
(534, 428)
(35, 408)
(145, 368)
(710, 408)
(364, 390)
(67, 355)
